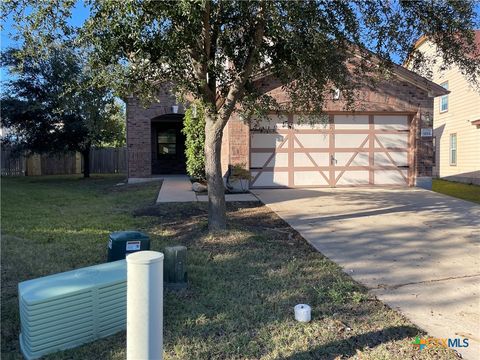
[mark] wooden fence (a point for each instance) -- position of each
(13, 164)
(102, 161)
(108, 160)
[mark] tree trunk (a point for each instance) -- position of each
(217, 218)
(86, 162)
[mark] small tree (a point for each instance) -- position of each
(194, 130)
(214, 51)
(50, 106)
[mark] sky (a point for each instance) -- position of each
(79, 15)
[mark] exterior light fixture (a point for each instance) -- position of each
(427, 119)
(336, 94)
(175, 109)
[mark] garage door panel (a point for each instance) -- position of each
(274, 122)
(302, 159)
(266, 141)
(360, 159)
(259, 160)
(270, 178)
(350, 140)
(312, 141)
(347, 122)
(389, 122)
(392, 140)
(353, 151)
(390, 177)
(400, 158)
(309, 178)
(353, 177)
(310, 123)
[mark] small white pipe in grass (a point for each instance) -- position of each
(145, 306)
(303, 312)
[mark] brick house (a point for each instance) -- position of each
(380, 143)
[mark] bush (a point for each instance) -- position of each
(194, 130)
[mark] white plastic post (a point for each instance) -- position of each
(145, 306)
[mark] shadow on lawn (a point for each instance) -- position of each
(245, 283)
(243, 286)
(349, 346)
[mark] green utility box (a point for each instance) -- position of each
(175, 267)
(122, 243)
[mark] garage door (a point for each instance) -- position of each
(343, 150)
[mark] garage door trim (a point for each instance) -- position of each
(329, 175)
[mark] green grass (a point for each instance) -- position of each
(456, 189)
(243, 284)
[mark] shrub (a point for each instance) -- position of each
(194, 130)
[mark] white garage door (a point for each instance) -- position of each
(343, 150)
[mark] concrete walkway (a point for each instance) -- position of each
(416, 250)
(178, 188)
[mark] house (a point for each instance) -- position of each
(378, 144)
(456, 121)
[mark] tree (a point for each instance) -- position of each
(50, 106)
(214, 50)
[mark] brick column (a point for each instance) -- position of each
(239, 141)
(139, 157)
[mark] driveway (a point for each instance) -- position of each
(418, 251)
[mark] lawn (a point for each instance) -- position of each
(243, 283)
(456, 189)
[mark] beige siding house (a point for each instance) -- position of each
(456, 122)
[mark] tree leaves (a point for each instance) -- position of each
(51, 105)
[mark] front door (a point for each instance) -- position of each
(168, 148)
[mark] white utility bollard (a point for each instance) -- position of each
(145, 306)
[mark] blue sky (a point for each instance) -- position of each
(79, 14)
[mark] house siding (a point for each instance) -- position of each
(463, 109)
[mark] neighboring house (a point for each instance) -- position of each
(456, 121)
(379, 144)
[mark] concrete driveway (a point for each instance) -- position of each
(418, 251)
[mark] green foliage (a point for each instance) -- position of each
(51, 105)
(308, 46)
(240, 172)
(459, 190)
(194, 130)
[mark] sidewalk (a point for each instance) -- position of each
(178, 188)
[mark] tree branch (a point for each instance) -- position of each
(238, 85)
(200, 56)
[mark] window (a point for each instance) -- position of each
(453, 149)
(444, 98)
(167, 142)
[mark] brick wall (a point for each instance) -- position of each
(392, 96)
(139, 131)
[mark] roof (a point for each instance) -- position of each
(413, 78)
(419, 81)
(424, 38)
(400, 71)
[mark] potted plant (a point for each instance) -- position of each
(239, 178)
